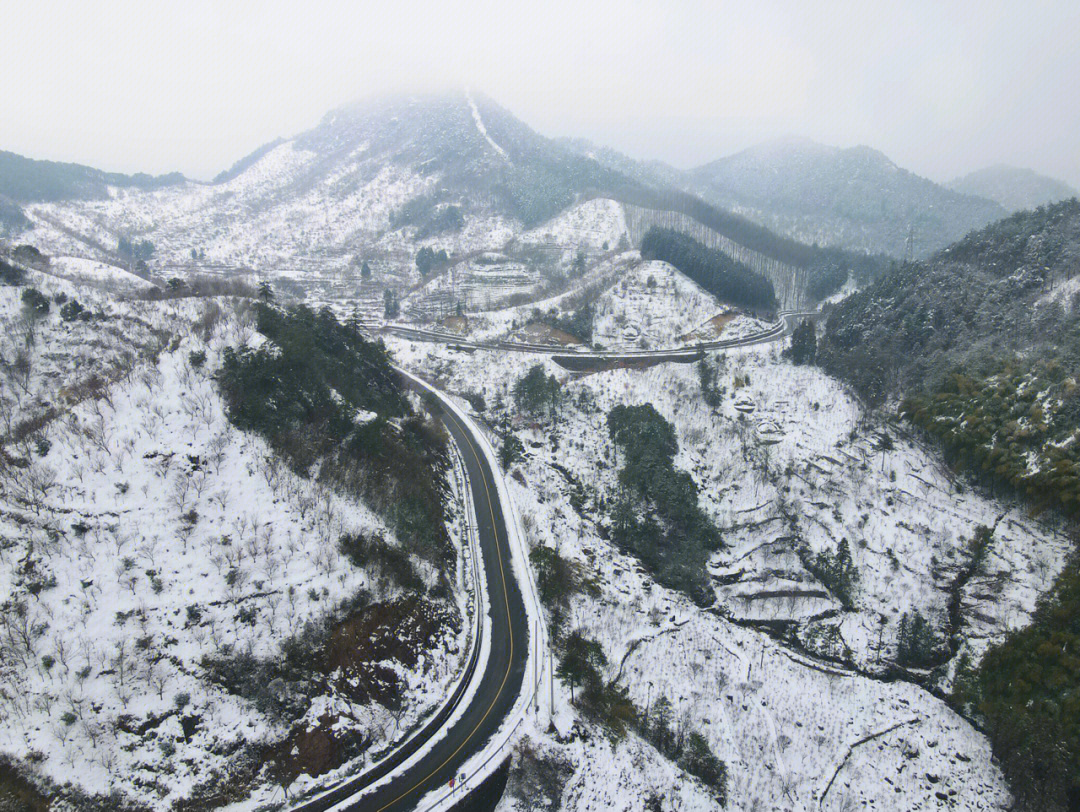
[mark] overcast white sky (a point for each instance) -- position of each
(941, 87)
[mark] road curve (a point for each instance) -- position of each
(503, 677)
(783, 327)
(499, 685)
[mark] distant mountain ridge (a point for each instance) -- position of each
(25, 180)
(1012, 188)
(855, 198)
(382, 178)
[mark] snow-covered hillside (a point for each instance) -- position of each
(653, 306)
(146, 544)
(793, 684)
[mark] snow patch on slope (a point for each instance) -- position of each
(483, 129)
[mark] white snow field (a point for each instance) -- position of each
(147, 534)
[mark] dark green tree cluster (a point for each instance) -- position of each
(447, 218)
(803, 349)
(10, 275)
(578, 323)
(134, 251)
(688, 748)
(1009, 430)
(969, 307)
(35, 303)
(303, 391)
(391, 308)
(371, 551)
(836, 571)
(536, 193)
(428, 259)
(74, 311)
(709, 375)
(558, 579)
(1027, 692)
(429, 217)
(537, 393)
(12, 218)
(917, 642)
(511, 450)
(580, 664)
(657, 517)
(827, 274)
(715, 271)
(415, 211)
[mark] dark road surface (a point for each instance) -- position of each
(599, 359)
(502, 679)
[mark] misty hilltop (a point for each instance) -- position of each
(856, 198)
(380, 181)
(1013, 188)
(450, 157)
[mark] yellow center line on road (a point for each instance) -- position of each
(509, 624)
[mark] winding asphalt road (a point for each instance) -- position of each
(499, 686)
(502, 680)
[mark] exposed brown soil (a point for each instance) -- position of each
(359, 652)
(361, 646)
(456, 324)
(710, 330)
(309, 751)
(537, 331)
(17, 794)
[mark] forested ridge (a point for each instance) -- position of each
(715, 271)
(329, 401)
(26, 180)
(980, 347)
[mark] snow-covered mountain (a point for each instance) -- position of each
(371, 178)
(372, 184)
(339, 214)
(171, 585)
(855, 198)
(1012, 187)
(741, 632)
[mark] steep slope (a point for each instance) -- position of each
(784, 668)
(1006, 290)
(854, 198)
(228, 549)
(979, 345)
(1012, 188)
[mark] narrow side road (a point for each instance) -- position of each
(499, 685)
